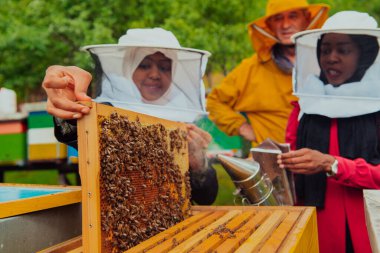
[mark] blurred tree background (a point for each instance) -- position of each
(35, 34)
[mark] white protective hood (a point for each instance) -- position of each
(348, 99)
(115, 63)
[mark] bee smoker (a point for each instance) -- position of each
(254, 187)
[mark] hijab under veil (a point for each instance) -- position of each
(358, 96)
(115, 64)
(120, 88)
(368, 47)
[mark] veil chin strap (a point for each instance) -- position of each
(316, 18)
(261, 30)
(311, 24)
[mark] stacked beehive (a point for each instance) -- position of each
(13, 139)
(42, 144)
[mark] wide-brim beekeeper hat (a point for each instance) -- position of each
(353, 97)
(116, 63)
(261, 35)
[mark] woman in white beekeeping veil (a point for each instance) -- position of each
(336, 127)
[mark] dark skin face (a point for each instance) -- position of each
(153, 76)
(339, 58)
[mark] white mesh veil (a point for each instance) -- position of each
(360, 93)
(184, 100)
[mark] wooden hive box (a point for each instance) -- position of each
(28, 211)
(231, 229)
(372, 217)
(239, 229)
(13, 134)
(134, 171)
(42, 144)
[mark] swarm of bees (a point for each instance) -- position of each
(223, 232)
(142, 189)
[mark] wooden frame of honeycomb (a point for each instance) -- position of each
(134, 171)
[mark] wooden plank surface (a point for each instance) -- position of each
(202, 235)
(372, 217)
(149, 244)
(72, 245)
(196, 209)
(258, 238)
(185, 234)
(231, 244)
(238, 229)
(220, 235)
(279, 235)
(303, 237)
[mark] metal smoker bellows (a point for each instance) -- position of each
(252, 185)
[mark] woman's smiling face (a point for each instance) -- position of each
(153, 76)
(339, 57)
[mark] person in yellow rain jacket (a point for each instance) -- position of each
(254, 99)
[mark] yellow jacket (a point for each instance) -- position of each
(257, 87)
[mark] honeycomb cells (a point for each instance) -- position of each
(142, 189)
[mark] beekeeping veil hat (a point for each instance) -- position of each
(358, 95)
(261, 35)
(115, 64)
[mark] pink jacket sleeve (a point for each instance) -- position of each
(358, 173)
(291, 128)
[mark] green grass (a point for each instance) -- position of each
(49, 177)
(226, 187)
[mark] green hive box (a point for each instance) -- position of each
(42, 144)
(13, 149)
(40, 119)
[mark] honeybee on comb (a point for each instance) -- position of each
(142, 189)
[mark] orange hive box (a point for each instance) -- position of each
(135, 182)
(232, 229)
